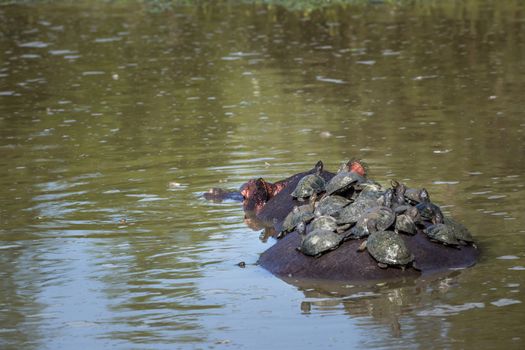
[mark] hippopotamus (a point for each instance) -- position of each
(269, 203)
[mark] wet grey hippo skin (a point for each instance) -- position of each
(346, 263)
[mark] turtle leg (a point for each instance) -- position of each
(343, 228)
(281, 234)
(383, 266)
(362, 247)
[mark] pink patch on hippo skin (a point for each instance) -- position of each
(358, 168)
(277, 187)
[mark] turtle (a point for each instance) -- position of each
(406, 222)
(428, 210)
(462, 234)
(343, 181)
(399, 205)
(352, 212)
(303, 213)
(374, 219)
(442, 233)
(370, 189)
(324, 222)
(412, 195)
(388, 249)
(386, 198)
(383, 216)
(318, 241)
(330, 205)
(310, 184)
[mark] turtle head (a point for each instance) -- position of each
(399, 189)
(413, 213)
(319, 167)
(357, 166)
(387, 198)
(438, 218)
(371, 225)
(424, 196)
(301, 228)
(313, 200)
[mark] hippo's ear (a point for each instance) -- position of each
(266, 187)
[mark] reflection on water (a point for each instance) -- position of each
(114, 121)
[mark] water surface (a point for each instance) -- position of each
(114, 120)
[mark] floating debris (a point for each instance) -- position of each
(329, 80)
(325, 134)
(174, 184)
(517, 268)
(505, 302)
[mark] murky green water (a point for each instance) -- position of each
(101, 107)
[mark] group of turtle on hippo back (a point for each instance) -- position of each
(351, 206)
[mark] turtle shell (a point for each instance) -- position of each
(357, 232)
(428, 211)
(342, 182)
(401, 209)
(412, 195)
(460, 231)
(441, 233)
(389, 248)
(384, 217)
(351, 213)
(309, 185)
(320, 241)
(330, 205)
(324, 222)
(405, 224)
(373, 219)
(304, 213)
(370, 189)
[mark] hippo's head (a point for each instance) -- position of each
(255, 194)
